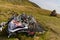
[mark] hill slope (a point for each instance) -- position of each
(42, 16)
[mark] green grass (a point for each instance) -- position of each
(51, 24)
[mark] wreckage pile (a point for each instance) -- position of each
(21, 23)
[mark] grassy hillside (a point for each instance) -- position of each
(51, 24)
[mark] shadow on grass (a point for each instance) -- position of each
(19, 36)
